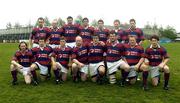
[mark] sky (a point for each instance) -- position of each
(161, 12)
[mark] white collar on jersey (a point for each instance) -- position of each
(158, 46)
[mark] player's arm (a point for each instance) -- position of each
(139, 63)
(163, 63)
(16, 64)
(77, 62)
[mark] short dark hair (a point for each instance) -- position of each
(85, 19)
(100, 20)
(132, 20)
(117, 21)
(154, 37)
(69, 17)
(41, 18)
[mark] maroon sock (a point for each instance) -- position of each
(125, 74)
(166, 78)
(56, 73)
(145, 76)
(34, 75)
(14, 75)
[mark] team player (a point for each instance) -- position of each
(85, 31)
(101, 31)
(114, 59)
(42, 60)
(133, 30)
(156, 59)
(38, 32)
(21, 63)
(70, 32)
(96, 60)
(60, 61)
(134, 56)
(80, 60)
(120, 33)
(55, 35)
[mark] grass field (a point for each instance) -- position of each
(69, 92)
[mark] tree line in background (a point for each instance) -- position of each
(168, 32)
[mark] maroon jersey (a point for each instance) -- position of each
(138, 32)
(96, 52)
(81, 54)
(23, 58)
(42, 55)
(86, 33)
(121, 35)
(133, 55)
(55, 35)
(155, 56)
(114, 51)
(39, 33)
(70, 32)
(103, 34)
(62, 55)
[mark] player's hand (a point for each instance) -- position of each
(20, 66)
(81, 65)
(161, 65)
(102, 43)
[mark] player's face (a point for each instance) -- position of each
(132, 41)
(133, 24)
(85, 22)
(79, 42)
(41, 43)
(70, 21)
(23, 46)
(95, 39)
(100, 24)
(116, 24)
(54, 24)
(40, 23)
(154, 43)
(62, 43)
(112, 37)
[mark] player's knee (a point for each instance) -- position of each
(74, 65)
(126, 67)
(144, 67)
(155, 82)
(101, 70)
(12, 67)
(33, 67)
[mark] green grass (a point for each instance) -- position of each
(48, 92)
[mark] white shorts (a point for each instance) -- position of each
(73, 44)
(132, 72)
(25, 71)
(113, 66)
(93, 68)
(62, 68)
(154, 71)
(35, 45)
(43, 69)
(84, 69)
(53, 45)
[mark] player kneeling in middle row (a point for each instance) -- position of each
(42, 55)
(115, 59)
(96, 62)
(80, 60)
(134, 56)
(60, 60)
